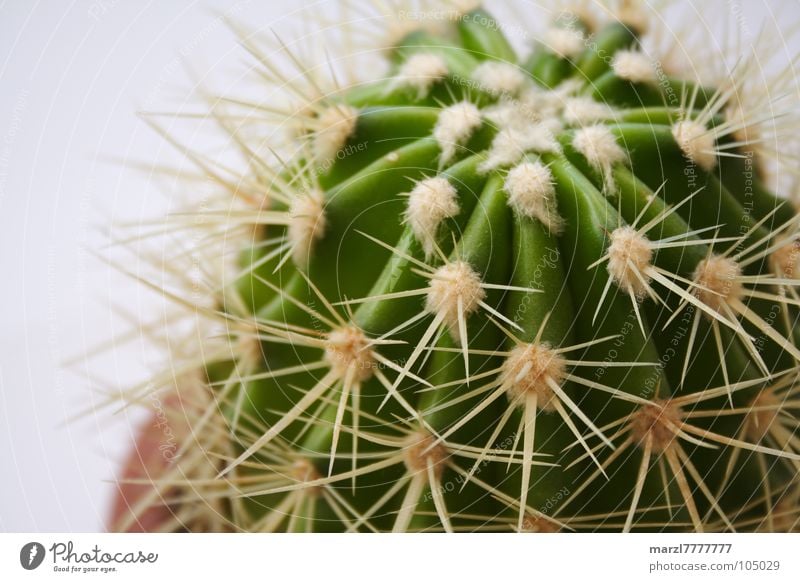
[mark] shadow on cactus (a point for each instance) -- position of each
(486, 293)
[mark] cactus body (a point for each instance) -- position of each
(490, 293)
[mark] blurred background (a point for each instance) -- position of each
(72, 76)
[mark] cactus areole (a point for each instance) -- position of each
(494, 293)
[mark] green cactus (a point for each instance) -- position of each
(487, 293)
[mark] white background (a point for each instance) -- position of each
(72, 75)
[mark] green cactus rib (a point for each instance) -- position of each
(465, 316)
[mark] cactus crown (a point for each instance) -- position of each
(483, 283)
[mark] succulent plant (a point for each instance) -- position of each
(488, 293)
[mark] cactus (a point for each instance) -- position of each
(487, 293)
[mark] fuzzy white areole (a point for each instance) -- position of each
(531, 192)
(333, 127)
(454, 127)
(430, 203)
(420, 73)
